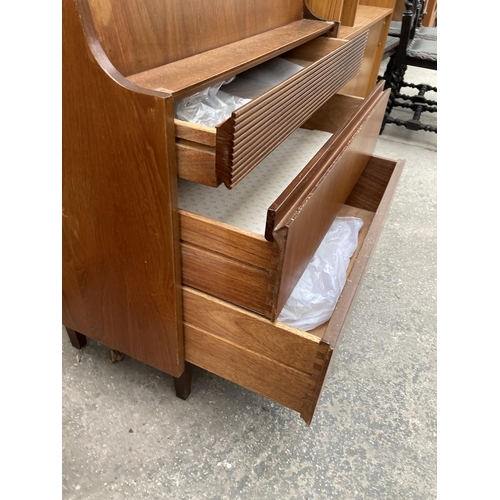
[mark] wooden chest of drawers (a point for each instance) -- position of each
(171, 287)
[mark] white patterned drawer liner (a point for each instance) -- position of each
(246, 205)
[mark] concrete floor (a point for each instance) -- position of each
(126, 435)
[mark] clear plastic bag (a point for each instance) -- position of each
(209, 106)
(314, 298)
(212, 106)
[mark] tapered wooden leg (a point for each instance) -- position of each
(77, 339)
(183, 383)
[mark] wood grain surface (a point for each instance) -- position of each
(363, 83)
(184, 77)
(327, 9)
(196, 163)
(121, 257)
(138, 35)
(241, 145)
(274, 360)
(349, 10)
(334, 114)
(366, 16)
(242, 284)
(292, 347)
(224, 239)
(260, 275)
(301, 229)
(227, 262)
(257, 128)
(193, 132)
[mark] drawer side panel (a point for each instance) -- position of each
(276, 361)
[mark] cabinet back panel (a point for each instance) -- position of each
(138, 35)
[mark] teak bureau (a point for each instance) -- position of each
(169, 286)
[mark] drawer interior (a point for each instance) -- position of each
(229, 151)
(251, 245)
(275, 360)
(246, 206)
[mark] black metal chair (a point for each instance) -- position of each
(411, 51)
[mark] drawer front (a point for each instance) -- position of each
(258, 128)
(279, 362)
(239, 144)
(303, 214)
(260, 273)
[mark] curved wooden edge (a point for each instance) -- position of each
(309, 14)
(100, 55)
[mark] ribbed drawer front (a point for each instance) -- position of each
(257, 128)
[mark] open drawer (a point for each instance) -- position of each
(259, 271)
(277, 361)
(228, 152)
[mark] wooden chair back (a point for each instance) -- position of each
(409, 24)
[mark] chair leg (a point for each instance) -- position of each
(394, 77)
(77, 339)
(182, 384)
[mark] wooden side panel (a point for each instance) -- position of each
(291, 347)
(378, 168)
(195, 133)
(304, 227)
(229, 279)
(138, 35)
(373, 184)
(374, 15)
(274, 360)
(196, 163)
(234, 243)
(227, 262)
(121, 258)
(259, 374)
(376, 186)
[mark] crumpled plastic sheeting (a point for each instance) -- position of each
(314, 298)
(212, 106)
(208, 107)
